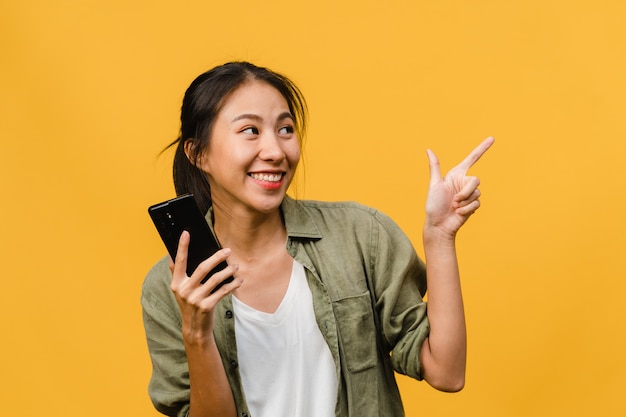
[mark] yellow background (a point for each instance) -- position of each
(90, 93)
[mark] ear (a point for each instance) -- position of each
(194, 155)
(189, 147)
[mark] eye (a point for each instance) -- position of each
(286, 130)
(251, 130)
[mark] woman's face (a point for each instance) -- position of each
(253, 152)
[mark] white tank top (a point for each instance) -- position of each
(286, 367)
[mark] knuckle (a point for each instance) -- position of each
(193, 300)
(181, 257)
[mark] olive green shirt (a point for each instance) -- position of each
(367, 284)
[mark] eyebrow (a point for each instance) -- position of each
(281, 117)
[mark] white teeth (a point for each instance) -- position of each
(267, 177)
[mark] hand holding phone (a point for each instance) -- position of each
(172, 217)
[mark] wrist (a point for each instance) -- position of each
(198, 339)
(433, 235)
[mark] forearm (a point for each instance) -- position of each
(210, 393)
(452, 199)
(444, 352)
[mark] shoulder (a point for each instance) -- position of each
(158, 274)
(337, 206)
(327, 210)
(343, 214)
(342, 226)
(156, 285)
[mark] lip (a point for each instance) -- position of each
(256, 176)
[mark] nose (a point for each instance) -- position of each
(271, 148)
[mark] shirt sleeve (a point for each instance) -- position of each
(169, 384)
(399, 282)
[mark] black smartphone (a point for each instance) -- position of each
(172, 217)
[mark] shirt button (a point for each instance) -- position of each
(233, 364)
(244, 414)
(229, 314)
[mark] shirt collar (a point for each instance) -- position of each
(298, 222)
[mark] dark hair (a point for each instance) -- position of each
(202, 102)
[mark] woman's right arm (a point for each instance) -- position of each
(210, 392)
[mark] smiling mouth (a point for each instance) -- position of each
(267, 177)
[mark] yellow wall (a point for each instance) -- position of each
(90, 93)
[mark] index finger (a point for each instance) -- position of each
(475, 155)
(180, 261)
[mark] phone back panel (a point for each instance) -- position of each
(174, 216)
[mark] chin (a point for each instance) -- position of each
(268, 205)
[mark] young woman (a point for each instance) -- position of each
(327, 298)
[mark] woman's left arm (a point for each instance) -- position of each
(451, 201)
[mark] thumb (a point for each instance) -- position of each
(435, 171)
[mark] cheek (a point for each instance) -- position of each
(223, 155)
(293, 155)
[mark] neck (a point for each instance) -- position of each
(249, 233)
